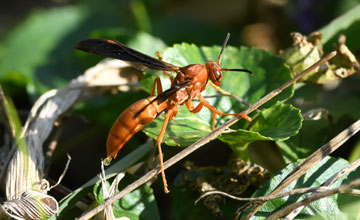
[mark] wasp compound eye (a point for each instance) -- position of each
(217, 74)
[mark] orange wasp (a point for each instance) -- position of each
(188, 84)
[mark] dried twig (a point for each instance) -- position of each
(349, 168)
(265, 198)
(203, 140)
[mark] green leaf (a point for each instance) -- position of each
(279, 122)
(269, 73)
(312, 135)
(138, 204)
(327, 207)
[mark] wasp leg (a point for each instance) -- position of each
(190, 105)
(217, 112)
(169, 116)
(158, 85)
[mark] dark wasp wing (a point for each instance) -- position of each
(169, 92)
(162, 97)
(117, 50)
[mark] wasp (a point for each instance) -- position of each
(187, 85)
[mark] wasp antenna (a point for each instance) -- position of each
(223, 47)
(238, 70)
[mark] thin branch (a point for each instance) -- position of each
(355, 192)
(316, 196)
(275, 196)
(266, 198)
(203, 140)
(311, 160)
(342, 172)
(63, 173)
